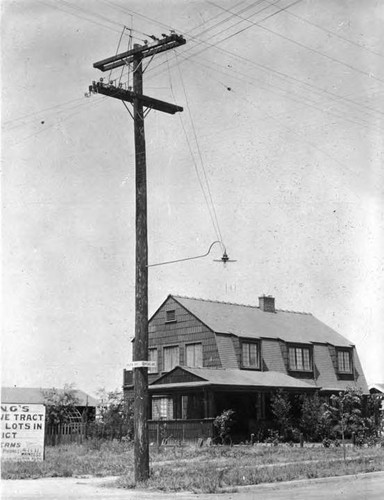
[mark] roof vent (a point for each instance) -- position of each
(267, 303)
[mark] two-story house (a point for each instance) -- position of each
(210, 356)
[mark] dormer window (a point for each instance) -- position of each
(170, 316)
(250, 355)
(344, 361)
(300, 358)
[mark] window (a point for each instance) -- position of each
(194, 355)
(170, 316)
(171, 358)
(162, 408)
(300, 359)
(344, 363)
(250, 355)
(152, 356)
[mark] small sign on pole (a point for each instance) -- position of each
(142, 364)
(22, 432)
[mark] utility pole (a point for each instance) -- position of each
(140, 350)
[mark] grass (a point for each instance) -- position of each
(207, 469)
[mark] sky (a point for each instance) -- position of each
(278, 153)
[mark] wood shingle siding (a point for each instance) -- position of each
(184, 330)
(221, 328)
(273, 356)
(225, 345)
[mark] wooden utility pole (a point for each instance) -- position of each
(140, 350)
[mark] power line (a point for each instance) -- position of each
(299, 44)
(332, 33)
(22, 117)
(278, 73)
(200, 156)
(299, 99)
(63, 9)
(45, 129)
(210, 207)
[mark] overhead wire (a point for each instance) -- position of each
(300, 44)
(278, 73)
(270, 69)
(41, 111)
(210, 206)
(332, 33)
(200, 155)
(63, 9)
(291, 96)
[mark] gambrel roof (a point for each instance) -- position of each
(252, 322)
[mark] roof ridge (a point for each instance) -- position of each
(215, 301)
(235, 304)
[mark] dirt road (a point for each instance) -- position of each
(360, 487)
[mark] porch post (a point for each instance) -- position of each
(206, 403)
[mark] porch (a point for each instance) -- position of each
(185, 401)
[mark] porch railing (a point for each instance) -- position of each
(171, 431)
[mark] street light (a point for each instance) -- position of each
(224, 259)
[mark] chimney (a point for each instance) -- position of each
(267, 303)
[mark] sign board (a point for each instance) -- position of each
(22, 432)
(142, 364)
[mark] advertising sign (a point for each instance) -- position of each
(22, 432)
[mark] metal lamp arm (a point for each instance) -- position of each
(189, 258)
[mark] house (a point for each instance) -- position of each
(210, 356)
(376, 389)
(85, 404)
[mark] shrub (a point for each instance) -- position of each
(281, 409)
(115, 418)
(223, 424)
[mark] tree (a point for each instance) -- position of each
(281, 409)
(115, 417)
(311, 421)
(345, 413)
(61, 405)
(374, 418)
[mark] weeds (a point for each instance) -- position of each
(207, 469)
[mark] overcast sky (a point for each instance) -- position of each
(283, 116)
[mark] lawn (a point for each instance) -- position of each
(206, 469)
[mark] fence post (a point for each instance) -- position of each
(158, 435)
(301, 440)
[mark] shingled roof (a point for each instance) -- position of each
(36, 395)
(233, 378)
(252, 322)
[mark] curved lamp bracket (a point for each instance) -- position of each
(223, 259)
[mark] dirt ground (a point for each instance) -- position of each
(359, 487)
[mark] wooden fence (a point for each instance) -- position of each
(160, 431)
(65, 433)
(179, 431)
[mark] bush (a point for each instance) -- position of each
(281, 409)
(223, 424)
(115, 420)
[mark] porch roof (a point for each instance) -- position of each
(202, 377)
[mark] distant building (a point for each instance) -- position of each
(376, 389)
(34, 395)
(210, 356)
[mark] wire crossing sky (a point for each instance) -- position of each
(278, 154)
